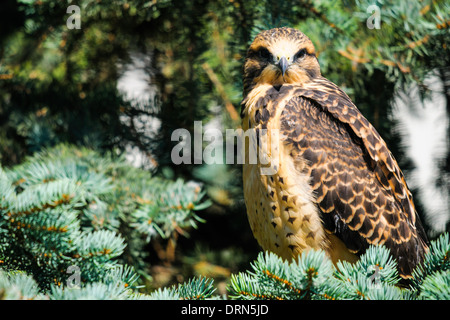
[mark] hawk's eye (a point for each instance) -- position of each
(300, 54)
(264, 54)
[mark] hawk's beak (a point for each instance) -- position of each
(283, 65)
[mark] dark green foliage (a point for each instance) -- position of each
(437, 264)
(68, 207)
(311, 276)
(373, 277)
(194, 289)
(436, 286)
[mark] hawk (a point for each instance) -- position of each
(335, 184)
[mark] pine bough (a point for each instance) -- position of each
(65, 214)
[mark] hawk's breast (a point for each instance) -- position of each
(280, 202)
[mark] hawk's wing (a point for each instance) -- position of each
(361, 192)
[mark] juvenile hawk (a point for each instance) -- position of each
(336, 186)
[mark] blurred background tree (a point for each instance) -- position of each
(66, 85)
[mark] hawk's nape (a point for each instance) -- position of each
(337, 187)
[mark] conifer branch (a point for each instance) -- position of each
(63, 208)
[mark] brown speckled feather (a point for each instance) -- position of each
(359, 187)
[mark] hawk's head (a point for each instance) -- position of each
(278, 56)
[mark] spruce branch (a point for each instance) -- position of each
(198, 288)
(274, 278)
(312, 276)
(436, 286)
(67, 207)
(437, 260)
(18, 286)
